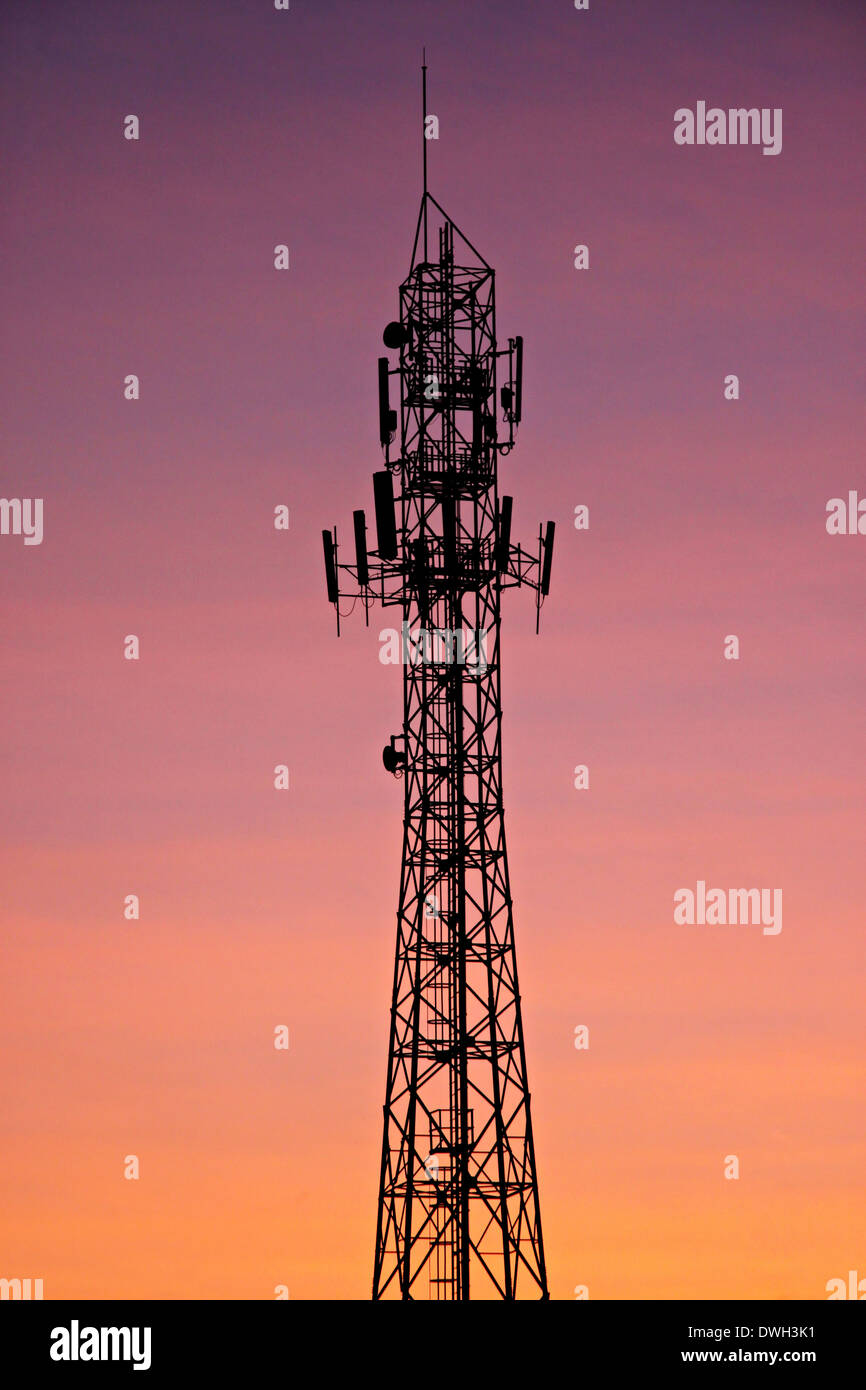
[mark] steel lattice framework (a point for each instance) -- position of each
(458, 1192)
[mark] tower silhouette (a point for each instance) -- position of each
(458, 1212)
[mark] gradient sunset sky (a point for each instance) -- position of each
(707, 518)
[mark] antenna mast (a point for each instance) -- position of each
(458, 1212)
(424, 138)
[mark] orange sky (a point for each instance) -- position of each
(261, 908)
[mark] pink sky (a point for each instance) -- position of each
(706, 518)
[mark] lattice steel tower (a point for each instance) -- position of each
(458, 1194)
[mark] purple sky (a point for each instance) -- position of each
(707, 518)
